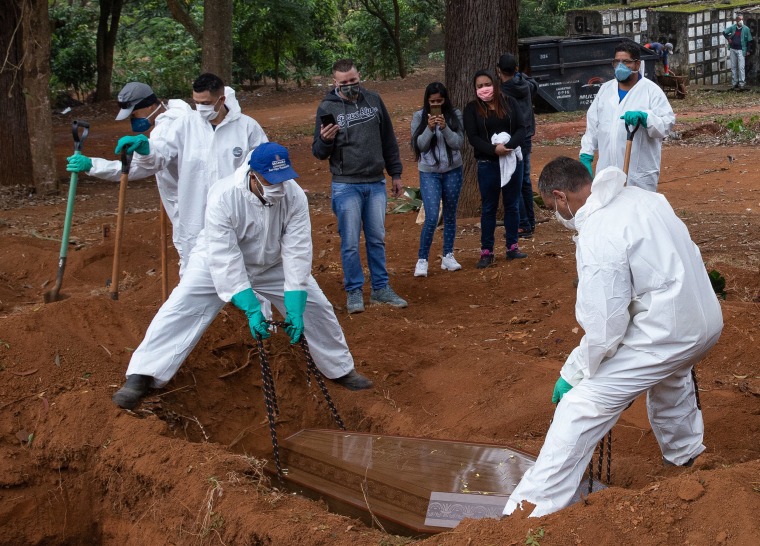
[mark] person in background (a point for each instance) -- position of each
(663, 51)
(486, 117)
(739, 37)
(632, 98)
(354, 132)
(437, 138)
(257, 236)
(649, 315)
(521, 88)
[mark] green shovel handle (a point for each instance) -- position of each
(79, 139)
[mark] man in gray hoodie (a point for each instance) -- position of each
(354, 131)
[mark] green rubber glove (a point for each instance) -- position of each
(588, 162)
(246, 301)
(295, 304)
(78, 163)
(561, 388)
(137, 143)
(635, 117)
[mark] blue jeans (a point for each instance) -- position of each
(434, 187)
(357, 207)
(489, 181)
(527, 218)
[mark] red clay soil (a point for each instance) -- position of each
(473, 358)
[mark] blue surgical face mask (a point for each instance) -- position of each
(622, 72)
(140, 125)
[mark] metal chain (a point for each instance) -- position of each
(270, 396)
(609, 456)
(696, 387)
(600, 462)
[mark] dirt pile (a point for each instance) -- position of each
(473, 358)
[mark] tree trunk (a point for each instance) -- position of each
(217, 39)
(104, 45)
(477, 33)
(15, 153)
(37, 93)
(181, 13)
(396, 36)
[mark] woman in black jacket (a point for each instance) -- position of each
(484, 117)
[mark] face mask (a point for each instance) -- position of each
(569, 224)
(350, 91)
(622, 72)
(485, 93)
(274, 193)
(739, 24)
(207, 111)
(140, 125)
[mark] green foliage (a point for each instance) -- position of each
(547, 17)
(410, 201)
(155, 49)
(72, 48)
(533, 537)
(718, 282)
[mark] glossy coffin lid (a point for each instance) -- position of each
(412, 484)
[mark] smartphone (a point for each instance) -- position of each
(435, 110)
(327, 119)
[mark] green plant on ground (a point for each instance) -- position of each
(533, 537)
(410, 200)
(718, 282)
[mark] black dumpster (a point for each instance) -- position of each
(569, 71)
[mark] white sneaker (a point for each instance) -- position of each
(421, 269)
(449, 263)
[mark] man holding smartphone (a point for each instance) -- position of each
(354, 131)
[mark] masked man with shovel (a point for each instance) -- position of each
(635, 100)
(649, 315)
(257, 236)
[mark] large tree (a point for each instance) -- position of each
(477, 33)
(26, 156)
(108, 26)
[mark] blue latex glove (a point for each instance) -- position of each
(246, 301)
(295, 304)
(134, 143)
(78, 163)
(561, 388)
(588, 162)
(634, 117)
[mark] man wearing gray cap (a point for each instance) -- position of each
(196, 148)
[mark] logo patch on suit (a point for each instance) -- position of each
(237, 151)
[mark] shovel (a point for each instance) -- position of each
(628, 146)
(53, 295)
(113, 282)
(164, 265)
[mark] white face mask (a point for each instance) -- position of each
(274, 193)
(207, 111)
(569, 224)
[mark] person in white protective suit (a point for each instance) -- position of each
(203, 146)
(649, 314)
(139, 103)
(257, 237)
(628, 99)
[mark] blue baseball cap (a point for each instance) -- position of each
(271, 160)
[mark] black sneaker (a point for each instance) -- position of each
(136, 387)
(486, 259)
(525, 233)
(354, 381)
(514, 253)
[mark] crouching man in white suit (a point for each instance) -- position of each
(257, 236)
(649, 315)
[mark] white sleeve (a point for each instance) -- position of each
(589, 143)
(296, 245)
(256, 135)
(604, 296)
(107, 169)
(164, 148)
(225, 259)
(660, 118)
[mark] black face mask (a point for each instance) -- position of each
(350, 91)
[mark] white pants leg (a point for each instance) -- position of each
(737, 66)
(589, 411)
(178, 325)
(327, 343)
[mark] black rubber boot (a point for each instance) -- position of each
(354, 381)
(136, 387)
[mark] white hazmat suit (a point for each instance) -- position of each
(244, 244)
(605, 131)
(166, 179)
(649, 315)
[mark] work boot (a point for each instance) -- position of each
(420, 270)
(354, 381)
(136, 387)
(687, 464)
(449, 263)
(514, 253)
(486, 259)
(355, 301)
(387, 296)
